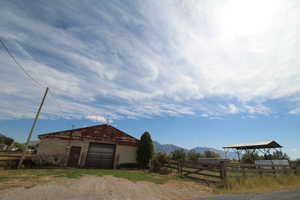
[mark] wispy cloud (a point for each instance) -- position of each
(111, 58)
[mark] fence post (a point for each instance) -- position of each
(274, 169)
(223, 172)
(178, 167)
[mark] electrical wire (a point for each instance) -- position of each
(37, 83)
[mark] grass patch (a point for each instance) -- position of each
(259, 184)
(16, 178)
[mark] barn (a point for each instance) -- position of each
(101, 146)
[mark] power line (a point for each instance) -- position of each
(37, 83)
(26, 73)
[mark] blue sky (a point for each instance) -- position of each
(193, 73)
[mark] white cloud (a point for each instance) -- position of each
(95, 118)
(141, 64)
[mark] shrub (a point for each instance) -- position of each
(158, 161)
(145, 150)
(45, 160)
(179, 155)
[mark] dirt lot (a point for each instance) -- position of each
(90, 187)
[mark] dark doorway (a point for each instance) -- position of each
(74, 156)
(100, 156)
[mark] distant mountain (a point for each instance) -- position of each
(168, 148)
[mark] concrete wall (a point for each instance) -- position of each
(126, 154)
(123, 153)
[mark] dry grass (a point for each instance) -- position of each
(259, 184)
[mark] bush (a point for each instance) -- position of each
(158, 161)
(45, 160)
(128, 166)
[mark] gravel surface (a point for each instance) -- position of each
(107, 188)
(280, 195)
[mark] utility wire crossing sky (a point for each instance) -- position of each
(144, 65)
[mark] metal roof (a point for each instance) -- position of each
(99, 133)
(258, 145)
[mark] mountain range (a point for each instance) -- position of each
(168, 148)
(3, 136)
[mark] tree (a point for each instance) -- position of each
(6, 140)
(145, 150)
(251, 157)
(278, 155)
(178, 154)
(211, 154)
(194, 156)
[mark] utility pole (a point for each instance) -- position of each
(32, 129)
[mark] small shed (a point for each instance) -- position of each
(101, 146)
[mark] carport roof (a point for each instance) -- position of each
(258, 145)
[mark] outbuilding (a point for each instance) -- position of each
(101, 146)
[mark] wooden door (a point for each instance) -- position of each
(74, 156)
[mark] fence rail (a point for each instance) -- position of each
(10, 161)
(224, 169)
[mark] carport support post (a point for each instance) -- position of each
(32, 129)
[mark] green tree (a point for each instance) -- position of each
(211, 154)
(251, 157)
(6, 140)
(19, 146)
(145, 150)
(278, 155)
(194, 156)
(178, 154)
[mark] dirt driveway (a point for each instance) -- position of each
(107, 188)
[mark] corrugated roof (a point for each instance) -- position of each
(257, 145)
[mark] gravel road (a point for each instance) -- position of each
(106, 188)
(280, 195)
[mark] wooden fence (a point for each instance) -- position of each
(10, 161)
(215, 172)
(210, 172)
(237, 170)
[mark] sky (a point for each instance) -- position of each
(192, 73)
